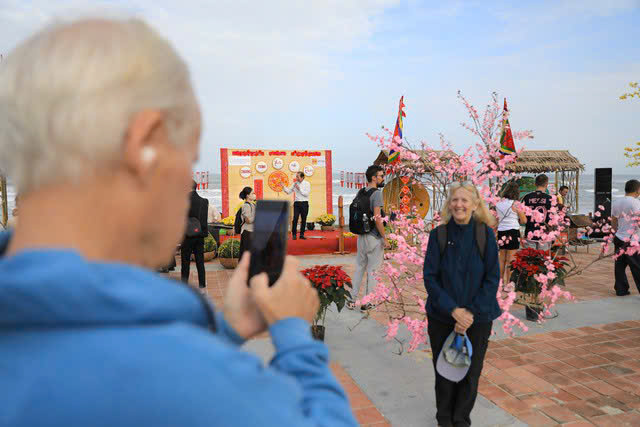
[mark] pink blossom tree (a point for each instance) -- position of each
(400, 291)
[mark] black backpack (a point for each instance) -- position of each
(194, 228)
(481, 238)
(237, 224)
(360, 207)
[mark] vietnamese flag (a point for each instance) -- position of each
(507, 147)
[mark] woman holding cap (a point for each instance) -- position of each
(461, 275)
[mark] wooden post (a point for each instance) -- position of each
(433, 203)
(577, 189)
(341, 250)
(557, 186)
(5, 201)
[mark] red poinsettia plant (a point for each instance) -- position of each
(529, 265)
(331, 282)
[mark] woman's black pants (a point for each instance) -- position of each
(245, 242)
(454, 401)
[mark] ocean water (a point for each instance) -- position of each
(585, 202)
(586, 191)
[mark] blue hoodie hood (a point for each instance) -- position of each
(48, 288)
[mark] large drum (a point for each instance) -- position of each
(402, 195)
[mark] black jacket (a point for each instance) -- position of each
(198, 209)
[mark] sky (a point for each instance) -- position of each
(311, 74)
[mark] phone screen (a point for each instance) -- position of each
(269, 239)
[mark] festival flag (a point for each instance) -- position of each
(507, 147)
(393, 154)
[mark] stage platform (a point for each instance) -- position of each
(317, 242)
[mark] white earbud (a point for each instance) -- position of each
(148, 154)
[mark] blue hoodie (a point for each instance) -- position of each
(105, 344)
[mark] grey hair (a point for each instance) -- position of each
(68, 93)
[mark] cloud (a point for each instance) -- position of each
(246, 57)
(321, 73)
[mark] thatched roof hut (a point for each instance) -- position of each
(383, 157)
(566, 168)
(540, 161)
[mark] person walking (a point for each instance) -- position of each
(301, 189)
(248, 218)
(194, 244)
(540, 204)
(370, 252)
(625, 213)
(461, 275)
(510, 217)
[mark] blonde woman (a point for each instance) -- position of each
(461, 277)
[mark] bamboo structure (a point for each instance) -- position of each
(566, 167)
(5, 201)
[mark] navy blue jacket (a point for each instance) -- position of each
(461, 278)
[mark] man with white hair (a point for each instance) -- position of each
(99, 128)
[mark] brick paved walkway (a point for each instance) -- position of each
(582, 376)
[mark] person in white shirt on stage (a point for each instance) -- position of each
(301, 190)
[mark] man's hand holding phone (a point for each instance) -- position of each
(250, 310)
(291, 296)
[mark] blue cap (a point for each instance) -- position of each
(455, 357)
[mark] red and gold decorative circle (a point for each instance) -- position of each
(278, 180)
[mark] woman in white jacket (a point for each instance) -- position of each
(510, 216)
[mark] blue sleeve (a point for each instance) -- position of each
(431, 274)
(208, 382)
(306, 360)
(489, 286)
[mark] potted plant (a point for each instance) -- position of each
(526, 265)
(311, 226)
(331, 282)
(210, 248)
(229, 253)
(326, 222)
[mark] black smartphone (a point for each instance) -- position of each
(269, 239)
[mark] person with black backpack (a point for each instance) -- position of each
(245, 217)
(193, 242)
(365, 220)
(461, 276)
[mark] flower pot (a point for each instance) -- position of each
(229, 263)
(532, 313)
(317, 332)
(208, 256)
(311, 226)
(327, 228)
